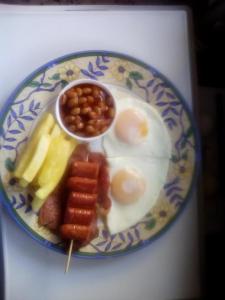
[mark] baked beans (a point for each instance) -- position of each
(87, 110)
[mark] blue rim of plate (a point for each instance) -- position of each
(141, 244)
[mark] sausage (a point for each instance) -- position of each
(106, 202)
(104, 180)
(50, 214)
(82, 200)
(80, 153)
(80, 184)
(104, 183)
(85, 169)
(74, 231)
(97, 157)
(79, 216)
(77, 232)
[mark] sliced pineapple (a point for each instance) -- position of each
(38, 158)
(56, 131)
(43, 127)
(53, 169)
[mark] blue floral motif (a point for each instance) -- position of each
(130, 239)
(143, 87)
(150, 83)
(172, 190)
(122, 237)
(95, 71)
(21, 201)
(105, 59)
(39, 86)
(157, 87)
(125, 239)
(171, 108)
(16, 125)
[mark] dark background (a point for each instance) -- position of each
(209, 49)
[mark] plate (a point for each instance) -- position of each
(39, 90)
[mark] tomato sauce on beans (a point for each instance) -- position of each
(87, 110)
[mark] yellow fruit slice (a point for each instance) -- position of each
(55, 131)
(53, 169)
(55, 152)
(38, 158)
(43, 127)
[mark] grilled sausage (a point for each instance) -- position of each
(79, 216)
(82, 200)
(80, 184)
(77, 232)
(85, 169)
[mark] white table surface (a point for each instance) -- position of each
(169, 267)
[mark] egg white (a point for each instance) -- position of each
(154, 171)
(157, 141)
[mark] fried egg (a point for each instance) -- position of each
(135, 186)
(138, 131)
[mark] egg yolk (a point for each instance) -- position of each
(131, 126)
(127, 186)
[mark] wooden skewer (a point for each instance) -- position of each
(69, 256)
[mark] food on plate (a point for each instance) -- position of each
(57, 157)
(131, 126)
(44, 127)
(77, 215)
(53, 169)
(139, 130)
(127, 186)
(82, 200)
(97, 183)
(104, 182)
(56, 131)
(82, 197)
(85, 169)
(44, 161)
(138, 149)
(87, 110)
(49, 162)
(80, 224)
(135, 187)
(73, 186)
(37, 159)
(50, 214)
(82, 234)
(122, 186)
(82, 184)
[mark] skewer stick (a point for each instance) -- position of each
(69, 256)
